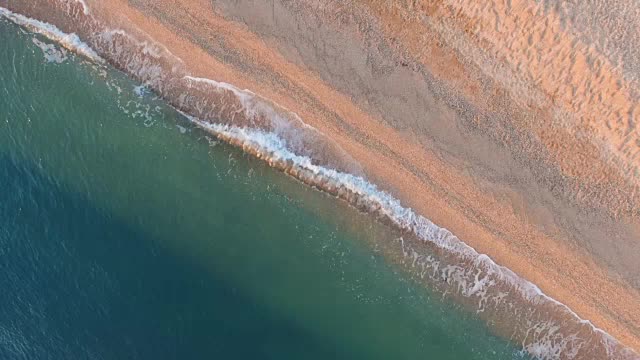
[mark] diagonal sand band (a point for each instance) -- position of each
(426, 177)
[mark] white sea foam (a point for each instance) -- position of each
(51, 52)
(254, 103)
(141, 58)
(140, 90)
(69, 41)
(298, 136)
(477, 279)
(244, 95)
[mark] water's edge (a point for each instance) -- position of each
(280, 138)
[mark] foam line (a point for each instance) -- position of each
(69, 41)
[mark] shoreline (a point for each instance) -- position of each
(396, 146)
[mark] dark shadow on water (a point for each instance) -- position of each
(77, 283)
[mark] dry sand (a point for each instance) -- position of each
(512, 124)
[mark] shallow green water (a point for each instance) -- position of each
(125, 233)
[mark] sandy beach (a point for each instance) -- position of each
(512, 125)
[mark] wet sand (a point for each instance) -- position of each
(513, 127)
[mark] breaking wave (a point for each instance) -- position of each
(69, 41)
(516, 308)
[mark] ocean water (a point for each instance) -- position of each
(128, 233)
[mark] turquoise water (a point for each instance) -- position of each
(126, 233)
